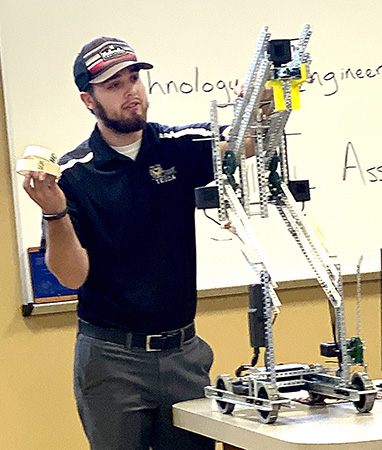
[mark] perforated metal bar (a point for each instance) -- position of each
(284, 169)
(244, 183)
(261, 177)
(249, 109)
(326, 273)
(304, 38)
(252, 75)
(341, 334)
(273, 138)
(322, 254)
(217, 159)
(270, 350)
(239, 218)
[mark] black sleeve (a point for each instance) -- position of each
(74, 209)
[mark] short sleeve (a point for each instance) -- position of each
(74, 210)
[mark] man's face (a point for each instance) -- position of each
(121, 102)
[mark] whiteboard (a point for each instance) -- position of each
(203, 47)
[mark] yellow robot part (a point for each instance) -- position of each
(278, 91)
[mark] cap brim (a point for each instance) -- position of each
(117, 67)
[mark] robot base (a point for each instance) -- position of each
(257, 390)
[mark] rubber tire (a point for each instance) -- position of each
(224, 407)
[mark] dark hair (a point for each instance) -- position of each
(90, 89)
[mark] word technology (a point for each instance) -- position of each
(197, 85)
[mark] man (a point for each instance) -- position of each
(120, 228)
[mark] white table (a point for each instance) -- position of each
(331, 427)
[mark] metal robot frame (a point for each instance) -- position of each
(284, 66)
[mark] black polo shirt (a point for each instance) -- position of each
(136, 221)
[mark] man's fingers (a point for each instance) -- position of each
(47, 179)
(239, 88)
(27, 182)
(42, 179)
(38, 181)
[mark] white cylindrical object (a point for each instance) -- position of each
(23, 166)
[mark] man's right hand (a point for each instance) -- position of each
(43, 189)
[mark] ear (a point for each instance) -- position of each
(87, 100)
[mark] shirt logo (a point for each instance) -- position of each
(160, 175)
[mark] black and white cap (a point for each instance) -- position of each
(103, 57)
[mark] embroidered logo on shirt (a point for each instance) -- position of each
(160, 175)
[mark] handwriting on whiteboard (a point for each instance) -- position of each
(352, 167)
(331, 81)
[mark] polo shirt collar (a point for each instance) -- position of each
(103, 153)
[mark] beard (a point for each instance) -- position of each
(135, 123)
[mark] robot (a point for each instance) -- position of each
(283, 66)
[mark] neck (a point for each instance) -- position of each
(118, 139)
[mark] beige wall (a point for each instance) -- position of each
(37, 409)
(36, 404)
(298, 331)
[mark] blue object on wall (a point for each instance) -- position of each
(44, 283)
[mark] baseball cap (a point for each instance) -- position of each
(101, 58)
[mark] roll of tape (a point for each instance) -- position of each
(40, 153)
(23, 166)
(38, 159)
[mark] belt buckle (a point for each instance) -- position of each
(148, 342)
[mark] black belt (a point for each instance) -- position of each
(150, 342)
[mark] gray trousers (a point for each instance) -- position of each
(124, 397)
